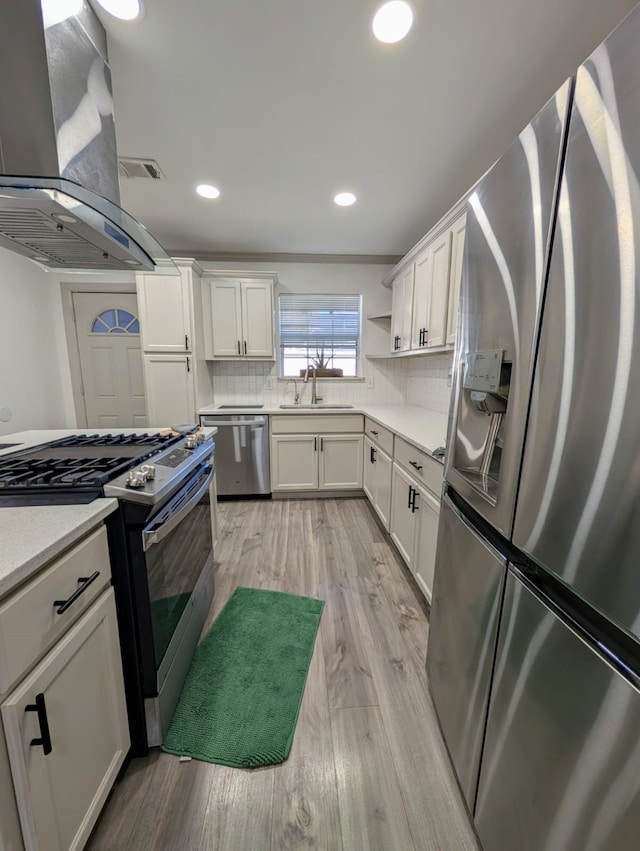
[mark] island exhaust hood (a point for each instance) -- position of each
(59, 194)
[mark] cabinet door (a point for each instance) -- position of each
(226, 319)
(257, 319)
(60, 795)
(369, 471)
(427, 536)
(421, 296)
(403, 519)
(294, 462)
(164, 304)
(340, 461)
(396, 314)
(407, 308)
(440, 264)
(170, 393)
(455, 276)
(384, 471)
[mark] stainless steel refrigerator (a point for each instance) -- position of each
(534, 650)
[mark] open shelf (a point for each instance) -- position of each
(386, 314)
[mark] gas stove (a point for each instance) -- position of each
(79, 468)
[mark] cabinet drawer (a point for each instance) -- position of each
(379, 434)
(419, 464)
(29, 623)
(317, 424)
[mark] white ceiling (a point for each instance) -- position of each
(283, 103)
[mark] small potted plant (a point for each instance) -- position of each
(320, 364)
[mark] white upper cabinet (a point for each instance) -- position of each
(426, 292)
(439, 295)
(241, 318)
(401, 311)
(455, 278)
(164, 302)
(421, 295)
(226, 319)
(257, 319)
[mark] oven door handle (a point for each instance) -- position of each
(154, 536)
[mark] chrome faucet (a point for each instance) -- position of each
(314, 396)
(296, 395)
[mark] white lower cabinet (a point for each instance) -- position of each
(67, 732)
(294, 462)
(377, 480)
(302, 462)
(404, 519)
(169, 381)
(427, 537)
(415, 512)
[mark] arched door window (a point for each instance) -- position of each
(115, 321)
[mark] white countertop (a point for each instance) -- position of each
(423, 428)
(32, 536)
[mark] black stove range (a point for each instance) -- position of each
(74, 469)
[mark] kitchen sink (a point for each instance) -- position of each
(328, 406)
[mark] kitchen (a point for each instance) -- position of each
(34, 319)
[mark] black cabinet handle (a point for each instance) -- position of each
(65, 604)
(409, 500)
(239, 347)
(371, 454)
(322, 444)
(413, 505)
(315, 444)
(186, 343)
(45, 736)
(416, 465)
(245, 347)
(188, 364)
(374, 432)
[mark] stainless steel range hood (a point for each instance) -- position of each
(59, 194)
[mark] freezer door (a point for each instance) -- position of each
(578, 511)
(465, 609)
(561, 763)
(509, 218)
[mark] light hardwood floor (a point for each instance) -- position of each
(368, 768)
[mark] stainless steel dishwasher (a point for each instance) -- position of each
(242, 451)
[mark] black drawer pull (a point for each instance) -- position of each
(416, 465)
(374, 432)
(65, 604)
(45, 736)
(413, 505)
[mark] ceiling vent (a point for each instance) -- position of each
(145, 169)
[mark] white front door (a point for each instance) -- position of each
(108, 333)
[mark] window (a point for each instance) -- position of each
(115, 321)
(321, 330)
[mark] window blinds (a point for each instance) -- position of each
(320, 322)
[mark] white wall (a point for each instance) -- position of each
(34, 372)
(384, 381)
(428, 382)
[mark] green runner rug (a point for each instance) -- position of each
(242, 696)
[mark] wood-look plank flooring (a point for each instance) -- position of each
(368, 768)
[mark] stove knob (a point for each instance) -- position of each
(200, 437)
(136, 479)
(191, 442)
(149, 471)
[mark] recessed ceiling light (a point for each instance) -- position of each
(56, 11)
(126, 10)
(206, 190)
(392, 21)
(345, 199)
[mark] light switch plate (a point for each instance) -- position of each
(270, 383)
(369, 382)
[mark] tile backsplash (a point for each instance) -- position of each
(428, 382)
(419, 381)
